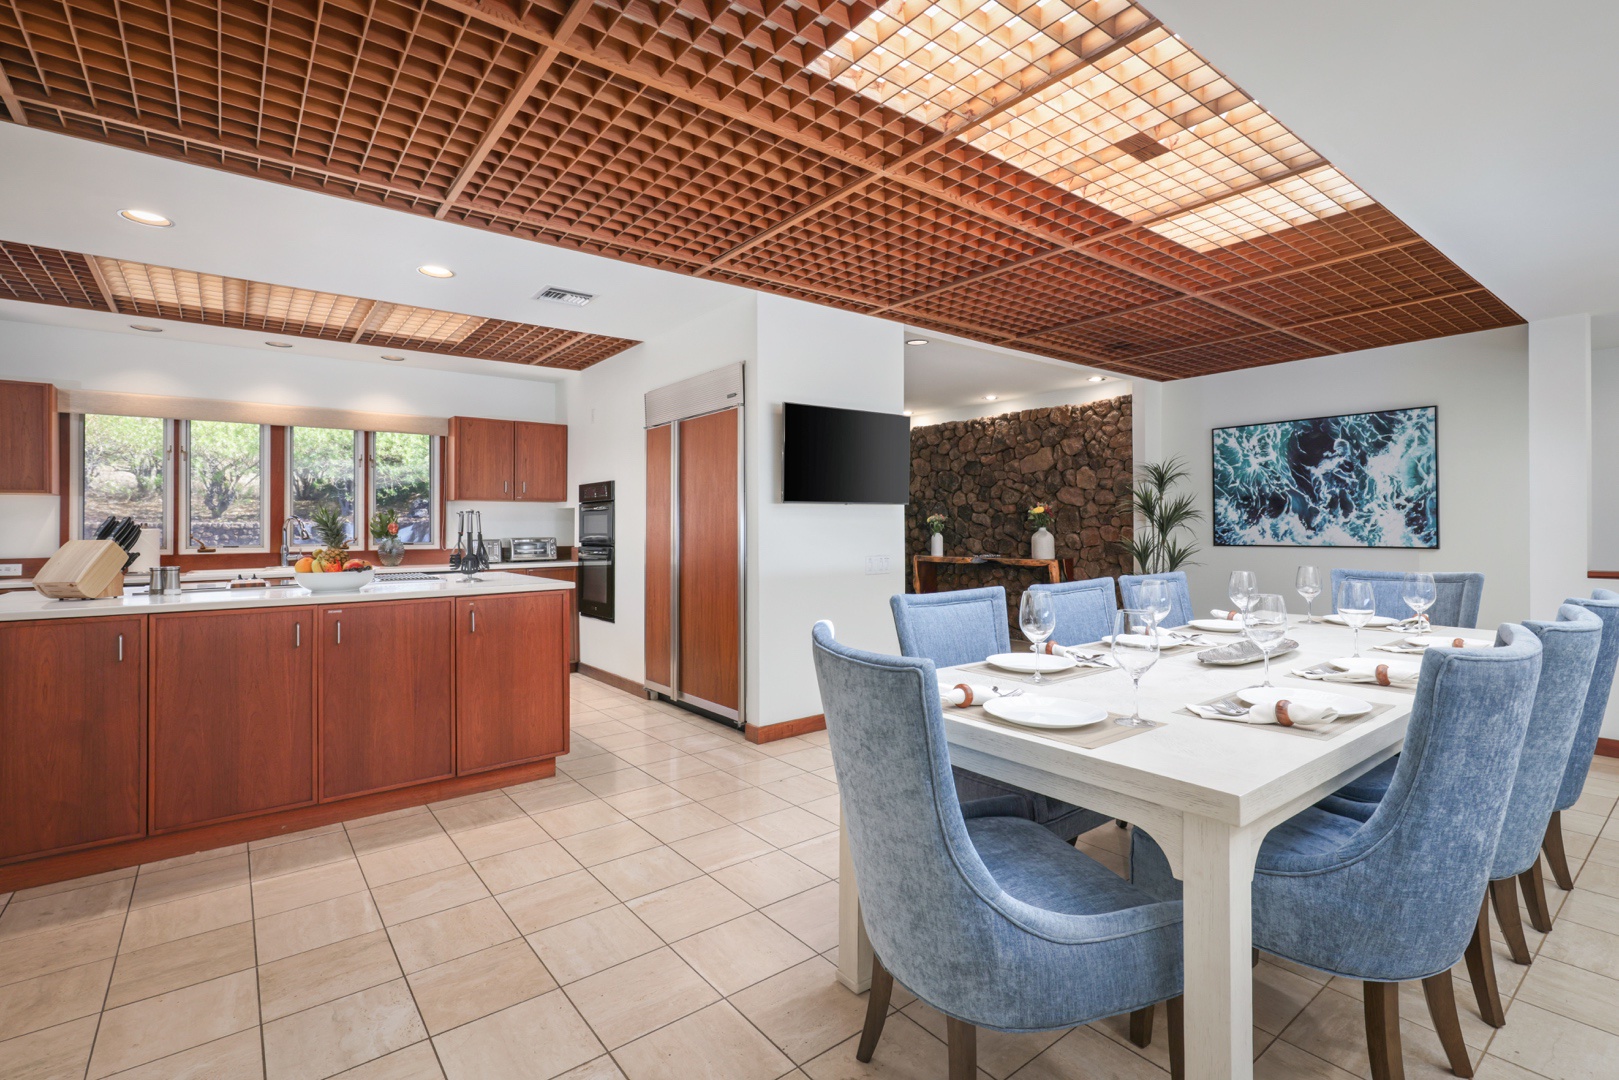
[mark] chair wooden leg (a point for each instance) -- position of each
(1177, 1038)
(963, 1040)
(1441, 995)
(1141, 1026)
(1555, 855)
(1533, 885)
(1383, 1030)
(1481, 970)
(1504, 894)
(882, 989)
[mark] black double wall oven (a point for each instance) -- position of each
(596, 551)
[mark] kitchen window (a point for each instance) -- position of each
(323, 466)
(125, 472)
(404, 479)
(375, 470)
(224, 505)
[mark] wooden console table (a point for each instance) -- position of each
(925, 568)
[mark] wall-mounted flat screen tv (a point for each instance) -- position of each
(844, 455)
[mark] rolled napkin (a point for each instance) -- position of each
(1074, 653)
(962, 695)
(1401, 647)
(1222, 613)
(1284, 713)
(1366, 670)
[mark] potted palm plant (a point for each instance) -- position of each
(1161, 513)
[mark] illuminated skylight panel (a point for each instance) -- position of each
(425, 324)
(1298, 200)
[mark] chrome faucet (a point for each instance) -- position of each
(287, 538)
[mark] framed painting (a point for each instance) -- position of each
(1356, 480)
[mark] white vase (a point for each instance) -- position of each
(1042, 545)
(936, 544)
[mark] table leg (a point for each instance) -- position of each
(1218, 868)
(854, 948)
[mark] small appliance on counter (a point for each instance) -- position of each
(595, 585)
(528, 549)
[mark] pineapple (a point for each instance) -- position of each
(330, 531)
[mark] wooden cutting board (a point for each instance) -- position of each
(83, 570)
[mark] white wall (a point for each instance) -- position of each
(77, 358)
(1559, 411)
(1078, 395)
(1480, 384)
(1605, 460)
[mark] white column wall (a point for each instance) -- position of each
(1559, 510)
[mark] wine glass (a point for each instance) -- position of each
(1135, 649)
(1357, 605)
(1418, 592)
(1244, 587)
(1308, 584)
(1038, 618)
(1153, 595)
(1265, 624)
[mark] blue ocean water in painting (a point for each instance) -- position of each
(1361, 480)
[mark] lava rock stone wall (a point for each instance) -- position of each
(984, 475)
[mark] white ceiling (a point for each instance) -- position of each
(949, 373)
(1487, 126)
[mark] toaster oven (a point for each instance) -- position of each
(528, 548)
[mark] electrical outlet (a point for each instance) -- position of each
(876, 564)
(10, 569)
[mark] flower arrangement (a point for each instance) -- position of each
(936, 523)
(385, 524)
(1040, 516)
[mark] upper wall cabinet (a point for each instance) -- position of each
(28, 462)
(505, 460)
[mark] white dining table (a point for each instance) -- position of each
(1208, 791)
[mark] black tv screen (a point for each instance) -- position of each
(845, 456)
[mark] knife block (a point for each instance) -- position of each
(83, 570)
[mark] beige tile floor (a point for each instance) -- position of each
(666, 906)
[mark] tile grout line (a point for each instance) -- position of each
(107, 993)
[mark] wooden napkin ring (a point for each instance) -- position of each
(1383, 675)
(966, 694)
(1230, 615)
(1281, 713)
(1459, 643)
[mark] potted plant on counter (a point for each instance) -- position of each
(936, 523)
(385, 531)
(1042, 545)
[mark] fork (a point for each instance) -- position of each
(1228, 707)
(998, 692)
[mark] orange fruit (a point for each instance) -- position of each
(305, 565)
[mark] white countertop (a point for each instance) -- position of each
(20, 606)
(138, 577)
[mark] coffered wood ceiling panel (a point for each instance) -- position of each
(1063, 176)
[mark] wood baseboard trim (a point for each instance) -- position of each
(54, 868)
(617, 682)
(1608, 748)
(786, 729)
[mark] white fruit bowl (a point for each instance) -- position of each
(336, 581)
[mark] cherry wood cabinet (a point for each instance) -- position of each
(708, 577)
(660, 582)
(72, 734)
(386, 703)
(28, 443)
(233, 714)
(542, 462)
(570, 574)
(482, 459)
(511, 679)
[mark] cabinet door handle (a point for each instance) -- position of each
(525, 487)
(474, 614)
(505, 485)
(297, 635)
(340, 631)
(120, 648)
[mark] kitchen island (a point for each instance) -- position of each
(143, 727)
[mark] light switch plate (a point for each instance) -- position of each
(10, 569)
(876, 564)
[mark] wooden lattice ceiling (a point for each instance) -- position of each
(97, 283)
(1062, 176)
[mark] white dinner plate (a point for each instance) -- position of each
(1430, 640)
(1345, 705)
(1026, 663)
(1217, 626)
(1034, 711)
(1375, 620)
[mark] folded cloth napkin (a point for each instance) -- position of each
(961, 695)
(1078, 655)
(1366, 670)
(1401, 647)
(1285, 713)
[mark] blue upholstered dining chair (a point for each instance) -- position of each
(1456, 596)
(1085, 609)
(1180, 594)
(1396, 897)
(974, 908)
(1568, 656)
(952, 628)
(1605, 606)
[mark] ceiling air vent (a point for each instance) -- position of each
(564, 296)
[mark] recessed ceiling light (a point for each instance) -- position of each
(146, 217)
(1098, 378)
(989, 397)
(916, 341)
(279, 344)
(435, 271)
(146, 329)
(391, 356)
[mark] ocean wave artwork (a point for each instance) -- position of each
(1358, 480)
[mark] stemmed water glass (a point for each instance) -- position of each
(1419, 593)
(1135, 649)
(1265, 624)
(1038, 618)
(1153, 595)
(1307, 582)
(1357, 605)
(1244, 587)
